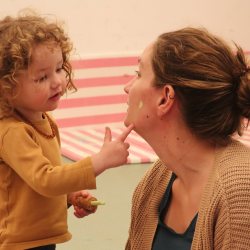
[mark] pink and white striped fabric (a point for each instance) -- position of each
(100, 101)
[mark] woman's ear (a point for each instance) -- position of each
(166, 100)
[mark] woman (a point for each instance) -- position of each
(190, 96)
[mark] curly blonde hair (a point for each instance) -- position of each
(18, 36)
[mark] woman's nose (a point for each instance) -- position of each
(128, 85)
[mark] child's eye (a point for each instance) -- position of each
(41, 79)
(138, 73)
(59, 70)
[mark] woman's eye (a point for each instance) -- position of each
(138, 74)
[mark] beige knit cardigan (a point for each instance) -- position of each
(224, 215)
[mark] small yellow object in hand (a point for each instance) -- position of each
(89, 204)
(97, 203)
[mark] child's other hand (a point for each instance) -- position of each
(113, 153)
(79, 212)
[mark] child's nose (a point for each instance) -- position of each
(56, 81)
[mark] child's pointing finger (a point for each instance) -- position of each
(108, 135)
(125, 133)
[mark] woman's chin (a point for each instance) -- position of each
(126, 122)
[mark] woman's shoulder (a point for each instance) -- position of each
(233, 169)
(156, 175)
(152, 185)
(233, 186)
(234, 157)
(158, 170)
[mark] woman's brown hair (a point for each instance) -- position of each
(211, 81)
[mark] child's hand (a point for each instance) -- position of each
(113, 153)
(79, 212)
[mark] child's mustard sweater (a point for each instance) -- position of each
(34, 184)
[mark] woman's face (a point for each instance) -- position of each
(142, 95)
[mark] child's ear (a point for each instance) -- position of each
(165, 100)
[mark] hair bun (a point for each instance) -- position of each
(244, 93)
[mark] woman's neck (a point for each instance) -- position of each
(189, 157)
(191, 161)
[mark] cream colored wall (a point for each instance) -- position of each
(124, 27)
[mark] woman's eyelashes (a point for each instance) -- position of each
(138, 73)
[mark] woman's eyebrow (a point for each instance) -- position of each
(140, 62)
